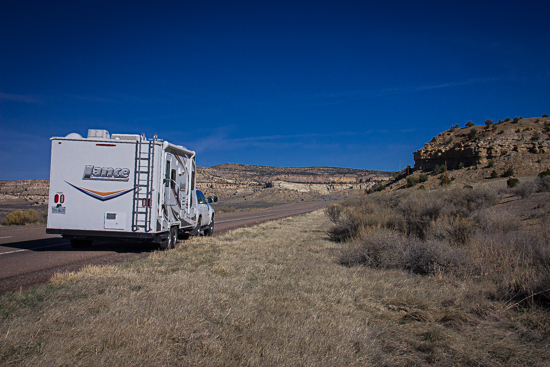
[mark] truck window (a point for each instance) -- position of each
(200, 197)
(173, 180)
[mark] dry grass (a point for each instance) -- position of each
(460, 232)
(273, 294)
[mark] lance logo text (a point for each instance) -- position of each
(106, 173)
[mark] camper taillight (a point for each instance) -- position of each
(59, 198)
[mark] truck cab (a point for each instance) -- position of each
(205, 215)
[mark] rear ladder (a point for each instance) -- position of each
(143, 184)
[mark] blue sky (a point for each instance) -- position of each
(355, 84)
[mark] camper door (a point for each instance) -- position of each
(176, 186)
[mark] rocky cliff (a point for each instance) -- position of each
(521, 143)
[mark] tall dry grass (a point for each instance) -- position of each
(461, 232)
(272, 295)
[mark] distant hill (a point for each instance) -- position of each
(260, 175)
(238, 185)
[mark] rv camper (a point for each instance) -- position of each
(124, 187)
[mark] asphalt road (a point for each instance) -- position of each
(29, 256)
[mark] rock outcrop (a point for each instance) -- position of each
(523, 143)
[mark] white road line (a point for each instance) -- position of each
(32, 249)
(6, 237)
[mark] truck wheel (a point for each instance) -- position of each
(165, 244)
(81, 243)
(210, 230)
(197, 230)
(173, 237)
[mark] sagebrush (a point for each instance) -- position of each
(20, 217)
(459, 233)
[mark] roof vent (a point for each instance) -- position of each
(130, 137)
(74, 136)
(98, 134)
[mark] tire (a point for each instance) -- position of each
(210, 230)
(165, 244)
(173, 237)
(81, 243)
(197, 230)
(171, 240)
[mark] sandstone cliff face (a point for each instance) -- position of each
(246, 177)
(524, 144)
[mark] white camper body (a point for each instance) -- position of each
(122, 187)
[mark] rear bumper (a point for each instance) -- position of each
(108, 235)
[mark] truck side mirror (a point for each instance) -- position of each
(215, 199)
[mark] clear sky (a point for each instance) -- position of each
(358, 84)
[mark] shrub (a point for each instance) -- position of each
(491, 163)
(501, 132)
(333, 212)
(381, 187)
(461, 165)
(431, 257)
(462, 203)
(488, 123)
(512, 182)
(423, 177)
(543, 184)
(544, 115)
(535, 137)
(20, 217)
(439, 168)
(411, 181)
(445, 180)
(494, 174)
(470, 124)
(515, 120)
(376, 248)
(495, 222)
(544, 173)
(421, 187)
(472, 134)
(456, 230)
(507, 119)
(525, 189)
(418, 212)
(509, 172)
